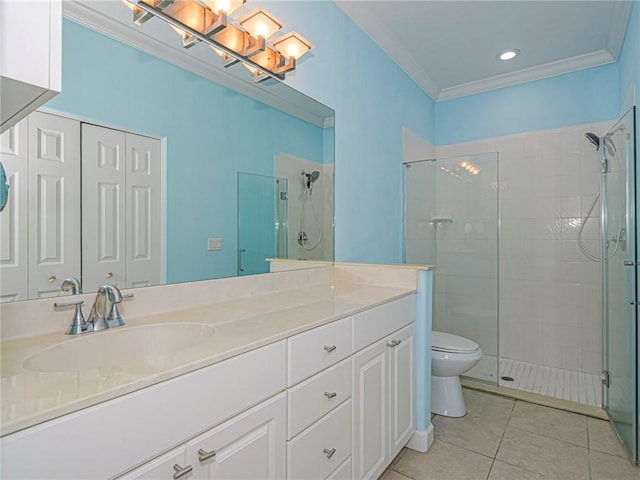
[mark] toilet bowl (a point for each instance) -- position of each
(451, 356)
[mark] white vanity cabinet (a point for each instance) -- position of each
(30, 56)
(135, 428)
(250, 445)
(383, 400)
(332, 403)
(366, 397)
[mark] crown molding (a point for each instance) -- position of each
(618, 28)
(302, 106)
(552, 69)
(390, 45)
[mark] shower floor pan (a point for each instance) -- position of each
(553, 382)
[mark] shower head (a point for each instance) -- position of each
(310, 178)
(313, 176)
(594, 139)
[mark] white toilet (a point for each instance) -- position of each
(451, 356)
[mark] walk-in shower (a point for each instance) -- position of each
(509, 270)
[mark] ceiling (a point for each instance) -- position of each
(449, 48)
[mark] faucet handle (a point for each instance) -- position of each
(78, 324)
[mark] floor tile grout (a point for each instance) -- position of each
(498, 418)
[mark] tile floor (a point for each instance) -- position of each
(505, 439)
(554, 382)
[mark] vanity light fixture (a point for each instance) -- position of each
(508, 54)
(261, 23)
(243, 40)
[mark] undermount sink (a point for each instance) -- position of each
(124, 346)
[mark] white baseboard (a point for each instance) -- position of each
(421, 440)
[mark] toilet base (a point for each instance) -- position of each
(446, 397)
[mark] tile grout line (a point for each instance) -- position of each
(588, 449)
(504, 430)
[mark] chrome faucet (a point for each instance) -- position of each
(98, 318)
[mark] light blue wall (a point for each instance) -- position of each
(580, 97)
(211, 133)
(373, 99)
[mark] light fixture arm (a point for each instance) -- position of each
(148, 11)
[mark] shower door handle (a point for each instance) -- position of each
(240, 252)
(629, 263)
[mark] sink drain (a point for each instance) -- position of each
(507, 379)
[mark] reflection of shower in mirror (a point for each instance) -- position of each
(304, 240)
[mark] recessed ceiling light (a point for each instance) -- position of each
(508, 54)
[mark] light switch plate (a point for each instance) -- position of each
(214, 244)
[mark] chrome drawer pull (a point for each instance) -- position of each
(330, 394)
(329, 453)
(181, 471)
(329, 348)
(203, 455)
(394, 343)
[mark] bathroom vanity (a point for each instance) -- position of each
(309, 376)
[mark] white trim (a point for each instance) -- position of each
(421, 440)
(618, 27)
(300, 107)
(573, 64)
(388, 42)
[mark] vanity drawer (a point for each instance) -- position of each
(317, 349)
(317, 396)
(323, 447)
(374, 324)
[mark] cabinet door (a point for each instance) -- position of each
(401, 401)
(54, 203)
(161, 467)
(249, 446)
(370, 411)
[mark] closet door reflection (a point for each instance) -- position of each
(121, 209)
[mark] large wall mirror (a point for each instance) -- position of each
(156, 165)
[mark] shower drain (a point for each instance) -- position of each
(507, 379)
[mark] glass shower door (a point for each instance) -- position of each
(620, 281)
(451, 220)
(262, 213)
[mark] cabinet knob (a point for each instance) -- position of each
(329, 348)
(394, 343)
(203, 455)
(52, 278)
(330, 395)
(329, 453)
(181, 471)
(109, 275)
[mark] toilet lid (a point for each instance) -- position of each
(446, 342)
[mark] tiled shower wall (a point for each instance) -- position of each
(549, 295)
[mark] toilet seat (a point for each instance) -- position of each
(446, 342)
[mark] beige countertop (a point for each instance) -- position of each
(30, 397)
